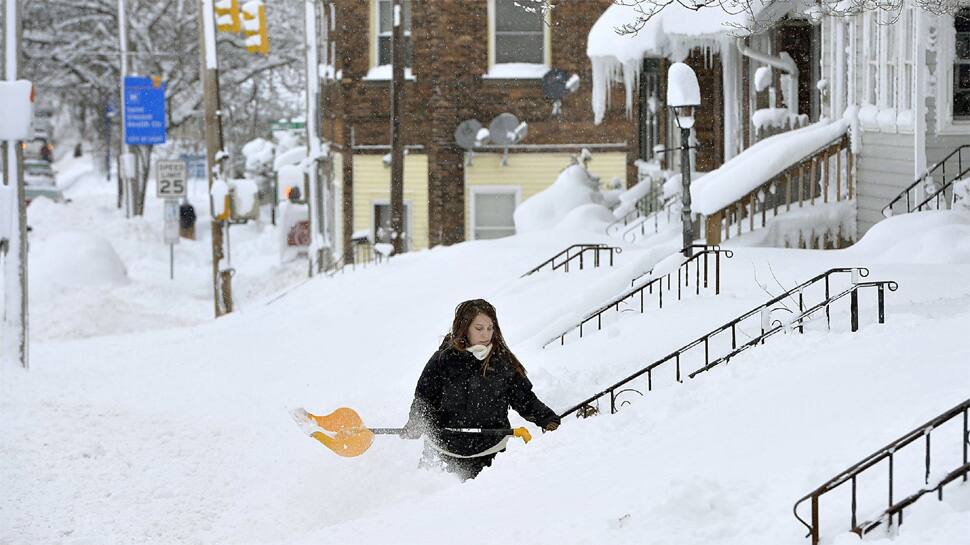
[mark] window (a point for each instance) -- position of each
(385, 20)
(519, 40)
(492, 211)
(382, 223)
(891, 58)
(519, 34)
(906, 47)
(961, 65)
(871, 93)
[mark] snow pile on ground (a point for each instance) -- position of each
(76, 259)
(574, 188)
(759, 163)
(920, 237)
(70, 170)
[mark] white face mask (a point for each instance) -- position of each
(480, 351)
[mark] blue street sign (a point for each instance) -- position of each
(194, 164)
(144, 111)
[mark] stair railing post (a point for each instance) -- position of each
(815, 531)
(854, 309)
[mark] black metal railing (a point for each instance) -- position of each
(648, 204)
(934, 192)
(769, 326)
(364, 256)
(650, 224)
(577, 253)
(644, 294)
(889, 453)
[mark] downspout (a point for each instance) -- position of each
(782, 62)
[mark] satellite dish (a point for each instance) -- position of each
(554, 84)
(466, 135)
(502, 129)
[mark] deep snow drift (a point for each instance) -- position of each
(179, 433)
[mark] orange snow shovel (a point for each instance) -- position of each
(351, 438)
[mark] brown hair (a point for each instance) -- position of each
(464, 316)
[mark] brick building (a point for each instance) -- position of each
(469, 59)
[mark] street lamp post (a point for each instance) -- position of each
(683, 95)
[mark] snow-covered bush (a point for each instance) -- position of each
(575, 187)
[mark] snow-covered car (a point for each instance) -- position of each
(39, 181)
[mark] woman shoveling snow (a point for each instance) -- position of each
(461, 402)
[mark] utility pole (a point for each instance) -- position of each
(123, 166)
(15, 269)
(397, 148)
(215, 156)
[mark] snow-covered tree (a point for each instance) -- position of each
(71, 48)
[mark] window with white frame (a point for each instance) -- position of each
(492, 211)
(385, 25)
(871, 28)
(518, 34)
(890, 58)
(906, 55)
(961, 65)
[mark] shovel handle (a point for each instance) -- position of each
(482, 431)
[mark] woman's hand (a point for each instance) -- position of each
(551, 426)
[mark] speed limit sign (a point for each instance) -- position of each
(171, 180)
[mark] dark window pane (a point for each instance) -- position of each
(962, 79)
(963, 46)
(508, 16)
(962, 20)
(519, 48)
(385, 15)
(961, 105)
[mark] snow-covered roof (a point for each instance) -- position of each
(759, 163)
(671, 32)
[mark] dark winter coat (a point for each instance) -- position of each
(455, 391)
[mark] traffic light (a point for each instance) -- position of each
(254, 27)
(227, 15)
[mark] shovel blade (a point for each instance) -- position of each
(348, 443)
(342, 419)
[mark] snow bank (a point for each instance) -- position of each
(757, 164)
(76, 259)
(574, 188)
(935, 236)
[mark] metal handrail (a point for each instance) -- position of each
(632, 228)
(370, 257)
(887, 453)
(583, 248)
(777, 192)
(682, 281)
(768, 328)
(887, 210)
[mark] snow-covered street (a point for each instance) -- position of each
(149, 423)
(399, 272)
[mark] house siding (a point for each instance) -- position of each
(532, 172)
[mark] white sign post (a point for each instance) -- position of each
(171, 185)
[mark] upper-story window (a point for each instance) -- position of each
(518, 41)
(385, 25)
(961, 65)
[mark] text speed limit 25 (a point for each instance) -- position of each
(171, 180)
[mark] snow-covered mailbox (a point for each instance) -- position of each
(683, 95)
(16, 109)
